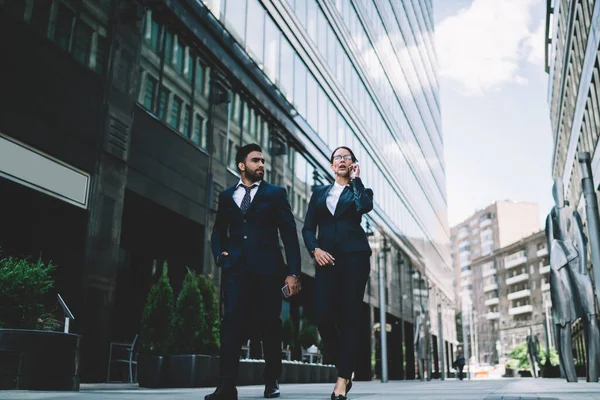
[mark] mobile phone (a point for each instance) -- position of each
(286, 291)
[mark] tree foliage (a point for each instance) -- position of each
(211, 312)
(157, 318)
(190, 323)
(25, 286)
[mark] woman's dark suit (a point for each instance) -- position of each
(340, 288)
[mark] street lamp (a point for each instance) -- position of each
(382, 310)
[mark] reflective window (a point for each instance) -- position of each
(235, 15)
(286, 71)
(272, 43)
(255, 36)
(300, 85)
(312, 100)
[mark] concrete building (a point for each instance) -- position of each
(487, 230)
(573, 67)
(122, 119)
(510, 292)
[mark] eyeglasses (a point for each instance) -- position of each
(347, 157)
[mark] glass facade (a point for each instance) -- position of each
(362, 73)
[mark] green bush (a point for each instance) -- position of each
(157, 318)
(211, 311)
(25, 286)
(308, 335)
(288, 331)
(190, 323)
(520, 357)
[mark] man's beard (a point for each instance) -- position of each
(254, 176)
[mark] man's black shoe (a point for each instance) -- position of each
(227, 392)
(272, 390)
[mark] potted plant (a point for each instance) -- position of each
(189, 364)
(156, 332)
(212, 340)
(38, 357)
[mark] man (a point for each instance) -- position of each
(459, 364)
(245, 243)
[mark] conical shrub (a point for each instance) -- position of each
(157, 318)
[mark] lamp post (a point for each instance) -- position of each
(441, 346)
(591, 208)
(382, 310)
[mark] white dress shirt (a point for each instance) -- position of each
(334, 196)
(240, 192)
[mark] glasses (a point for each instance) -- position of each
(347, 157)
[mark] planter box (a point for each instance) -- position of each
(511, 373)
(525, 373)
(188, 370)
(39, 360)
(152, 371)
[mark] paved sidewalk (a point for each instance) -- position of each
(502, 389)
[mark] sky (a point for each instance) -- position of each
(495, 116)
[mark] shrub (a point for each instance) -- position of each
(211, 311)
(24, 288)
(157, 318)
(190, 323)
(288, 332)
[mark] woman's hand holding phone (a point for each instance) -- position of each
(354, 170)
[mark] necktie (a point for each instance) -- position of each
(246, 200)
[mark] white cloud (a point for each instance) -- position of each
(481, 46)
(534, 46)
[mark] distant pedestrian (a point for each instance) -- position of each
(459, 364)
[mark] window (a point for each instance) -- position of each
(186, 122)
(63, 27)
(286, 71)
(163, 101)
(149, 92)
(272, 43)
(300, 85)
(312, 113)
(235, 15)
(175, 112)
(83, 43)
(255, 37)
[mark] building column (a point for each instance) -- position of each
(108, 189)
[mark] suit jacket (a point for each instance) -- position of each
(255, 235)
(342, 231)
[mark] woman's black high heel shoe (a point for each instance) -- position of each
(341, 396)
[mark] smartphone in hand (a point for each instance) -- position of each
(286, 291)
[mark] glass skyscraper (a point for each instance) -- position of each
(300, 77)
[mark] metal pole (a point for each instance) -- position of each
(476, 333)
(465, 321)
(441, 346)
(382, 310)
(591, 208)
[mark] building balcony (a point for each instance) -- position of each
(544, 270)
(464, 274)
(484, 223)
(517, 279)
(493, 301)
(542, 252)
(490, 287)
(545, 286)
(489, 272)
(515, 262)
(492, 315)
(465, 282)
(520, 310)
(519, 295)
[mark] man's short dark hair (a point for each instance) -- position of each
(243, 152)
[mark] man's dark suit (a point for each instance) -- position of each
(340, 287)
(254, 271)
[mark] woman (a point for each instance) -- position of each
(342, 253)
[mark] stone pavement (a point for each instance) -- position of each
(488, 389)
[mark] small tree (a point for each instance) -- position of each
(211, 312)
(288, 332)
(24, 288)
(190, 322)
(157, 318)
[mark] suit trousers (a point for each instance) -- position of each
(259, 296)
(340, 289)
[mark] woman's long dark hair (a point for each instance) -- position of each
(343, 147)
